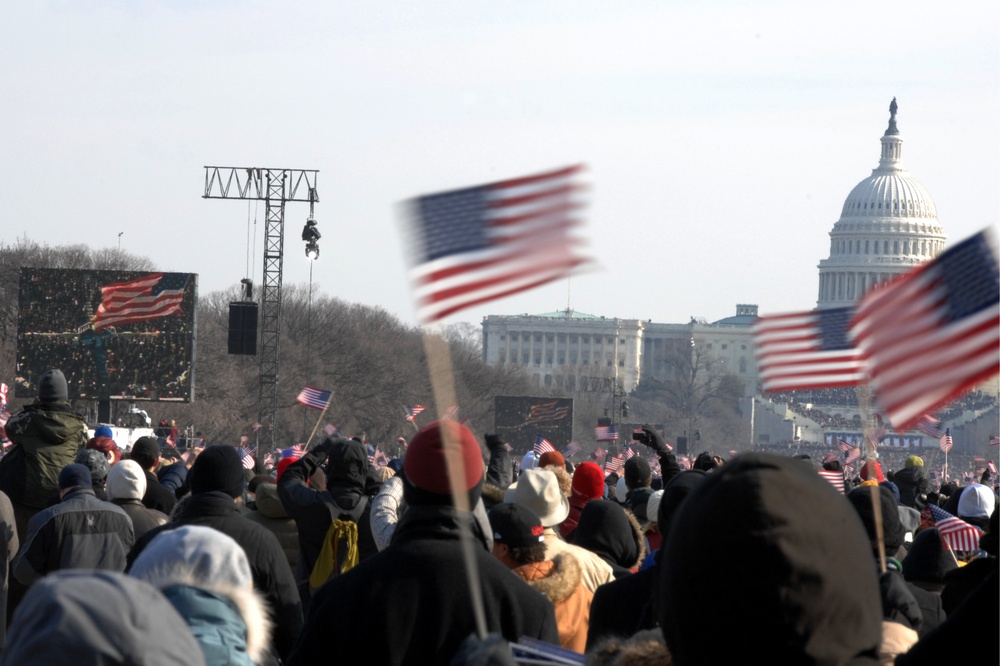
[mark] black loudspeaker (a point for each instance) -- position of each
(243, 328)
(682, 446)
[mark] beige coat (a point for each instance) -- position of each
(594, 571)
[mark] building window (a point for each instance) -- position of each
(513, 337)
(725, 346)
(585, 360)
(611, 341)
(585, 338)
(866, 247)
(525, 357)
(562, 360)
(550, 337)
(503, 356)
(621, 340)
(709, 345)
(610, 363)
(538, 358)
(621, 363)
(743, 365)
(503, 337)
(885, 247)
(548, 380)
(743, 347)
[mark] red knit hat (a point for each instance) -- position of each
(551, 458)
(424, 464)
(282, 466)
(588, 481)
(877, 471)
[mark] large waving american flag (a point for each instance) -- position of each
(806, 350)
(932, 334)
(147, 297)
(479, 244)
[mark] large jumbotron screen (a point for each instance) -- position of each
(117, 335)
(518, 420)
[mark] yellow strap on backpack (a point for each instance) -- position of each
(325, 565)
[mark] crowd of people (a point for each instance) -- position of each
(447, 555)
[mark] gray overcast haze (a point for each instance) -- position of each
(721, 138)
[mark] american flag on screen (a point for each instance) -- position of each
(547, 411)
(148, 297)
(932, 334)
(479, 244)
(957, 533)
(542, 445)
(413, 410)
(606, 433)
(805, 350)
(314, 397)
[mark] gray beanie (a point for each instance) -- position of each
(52, 386)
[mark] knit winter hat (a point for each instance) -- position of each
(928, 560)
(977, 501)
(52, 386)
(201, 556)
(95, 462)
(914, 461)
(218, 468)
(675, 492)
(145, 451)
(103, 431)
(126, 480)
(637, 472)
(75, 474)
(282, 466)
(552, 458)
(892, 528)
(515, 525)
(786, 535)
(588, 481)
(538, 490)
(639, 500)
(424, 465)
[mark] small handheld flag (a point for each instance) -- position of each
(314, 397)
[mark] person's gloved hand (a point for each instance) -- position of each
(653, 440)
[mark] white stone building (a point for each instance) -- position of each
(888, 226)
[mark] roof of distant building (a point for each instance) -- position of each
(566, 314)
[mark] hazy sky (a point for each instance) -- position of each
(721, 138)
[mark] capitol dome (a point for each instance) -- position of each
(888, 225)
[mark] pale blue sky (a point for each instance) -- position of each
(721, 138)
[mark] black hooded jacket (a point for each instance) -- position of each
(314, 510)
(608, 531)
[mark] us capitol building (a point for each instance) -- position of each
(887, 226)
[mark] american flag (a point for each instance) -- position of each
(269, 461)
(572, 449)
(684, 462)
(171, 442)
(547, 411)
(957, 533)
(932, 334)
(246, 458)
(853, 455)
(256, 427)
(479, 244)
(994, 440)
(606, 433)
(413, 410)
(946, 442)
(296, 451)
(599, 453)
(379, 459)
(330, 430)
(992, 467)
(875, 434)
(627, 453)
(930, 426)
(844, 445)
(3, 396)
(806, 350)
(654, 465)
(542, 445)
(612, 465)
(314, 397)
(835, 478)
(848, 472)
(148, 297)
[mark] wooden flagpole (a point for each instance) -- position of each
(319, 420)
(443, 384)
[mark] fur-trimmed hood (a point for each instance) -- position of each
(557, 578)
(492, 495)
(193, 600)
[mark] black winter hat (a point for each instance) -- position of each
(52, 386)
(673, 494)
(218, 468)
(893, 533)
(145, 451)
(928, 561)
(637, 472)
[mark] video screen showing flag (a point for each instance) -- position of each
(518, 420)
(116, 335)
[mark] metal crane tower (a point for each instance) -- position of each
(276, 187)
